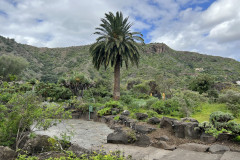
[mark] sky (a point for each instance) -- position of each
(205, 26)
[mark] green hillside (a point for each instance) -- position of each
(157, 61)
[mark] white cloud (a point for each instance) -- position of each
(61, 23)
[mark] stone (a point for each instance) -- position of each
(217, 148)
(142, 140)
(125, 113)
(40, 144)
(7, 153)
(143, 129)
(76, 149)
(118, 137)
(230, 156)
(188, 119)
(154, 120)
(164, 145)
(191, 131)
(141, 116)
(166, 122)
(130, 123)
(207, 138)
(194, 147)
(179, 129)
(162, 138)
(225, 137)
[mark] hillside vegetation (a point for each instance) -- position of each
(158, 62)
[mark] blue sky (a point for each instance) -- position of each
(204, 26)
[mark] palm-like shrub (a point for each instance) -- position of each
(115, 45)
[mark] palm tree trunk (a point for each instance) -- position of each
(116, 90)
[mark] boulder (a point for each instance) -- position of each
(142, 140)
(164, 145)
(41, 144)
(166, 122)
(118, 137)
(191, 131)
(194, 147)
(123, 119)
(7, 153)
(207, 138)
(125, 113)
(230, 156)
(143, 129)
(179, 129)
(130, 123)
(154, 120)
(141, 116)
(218, 149)
(77, 150)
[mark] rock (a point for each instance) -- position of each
(7, 153)
(143, 129)
(166, 122)
(142, 140)
(190, 130)
(141, 116)
(154, 120)
(164, 145)
(52, 154)
(225, 137)
(179, 129)
(76, 149)
(230, 156)
(123, 119)
(216, 148)
(162, 138)
(207, 138)
(187, 119)
(108, 119)
(40, 144)
(125, 113)
(130, 123)
(194, 147)
(118, 137)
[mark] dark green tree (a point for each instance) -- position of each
(202, 83)
(11, 65)
(115, 45)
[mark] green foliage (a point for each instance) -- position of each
(23, 111)
(105, 111)
(141, 88)
(11, 65)
(232, 99)
(202, 83)
(116, 118)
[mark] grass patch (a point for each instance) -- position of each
(206, 109)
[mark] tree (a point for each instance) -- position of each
(202, 83)
(115, 45)
(11, 65)
(76, 82)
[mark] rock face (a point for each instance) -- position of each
(186, 130)
(7, 154)
(141, 116)
(187, 119)
(216, 148)
(154, 120)
(194, 147)
(230, 156)
(40, 144)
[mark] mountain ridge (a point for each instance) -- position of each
(157, 60)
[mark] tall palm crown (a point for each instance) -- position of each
(116, 44)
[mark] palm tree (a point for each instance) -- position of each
(116, 44)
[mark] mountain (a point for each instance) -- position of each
(158, 61)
